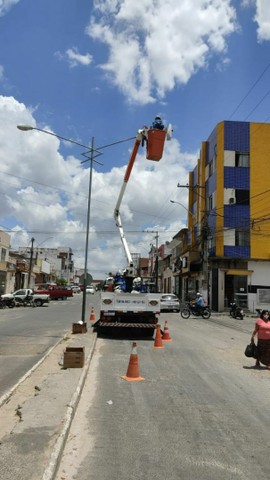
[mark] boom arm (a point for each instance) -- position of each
(141, 134)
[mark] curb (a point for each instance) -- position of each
(58, 448)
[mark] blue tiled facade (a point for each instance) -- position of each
(236, 177)
(236, 136)
(236, 251)
(211, 145)
(236, 216)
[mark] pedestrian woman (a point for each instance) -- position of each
(262, 330)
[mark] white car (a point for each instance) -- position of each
(90, 289)
(76, 288)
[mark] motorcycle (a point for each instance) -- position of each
(191, 309)
(7, 302)
(236, 311)
(25, 302)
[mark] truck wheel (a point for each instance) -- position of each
(64, 297)
(38, 302)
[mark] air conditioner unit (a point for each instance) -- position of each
(231, 200)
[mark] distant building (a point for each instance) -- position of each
(7, 264)
(53, 263)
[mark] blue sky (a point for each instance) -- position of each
(104, 69)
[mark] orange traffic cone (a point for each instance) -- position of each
(133, 374)
(92, 316)
(158, 338)
(166, 335)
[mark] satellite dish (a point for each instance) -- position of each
(169, 131)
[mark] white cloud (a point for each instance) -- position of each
(74, 58)
(6, 5)
(262, 17)
(43, 194)
(155, 45)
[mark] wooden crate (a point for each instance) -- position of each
(74, 357)
(79, 327)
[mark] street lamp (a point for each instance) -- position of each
(182, 205)
(90, 150)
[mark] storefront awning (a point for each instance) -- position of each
(235, 271)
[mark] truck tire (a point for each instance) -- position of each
(64, 297)
(38, 302)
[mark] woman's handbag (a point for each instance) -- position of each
(251, 350)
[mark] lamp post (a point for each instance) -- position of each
(182, 205)
(90, 150)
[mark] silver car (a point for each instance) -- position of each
(169, 303)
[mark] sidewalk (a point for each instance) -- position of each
(35, 416)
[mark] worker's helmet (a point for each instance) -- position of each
(158, 117)
(199, 294)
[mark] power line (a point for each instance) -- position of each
(249, 91)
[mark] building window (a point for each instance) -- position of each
(210, 203)
(242, 238)
(212, 166)
(242, 197)
(3, 254)
(241, 159)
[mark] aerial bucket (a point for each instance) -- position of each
(155, 144)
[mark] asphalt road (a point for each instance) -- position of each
(202, 412)
(27, 334)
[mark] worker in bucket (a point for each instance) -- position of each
(157, 123)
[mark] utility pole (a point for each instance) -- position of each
(156, 262)
(31, 262)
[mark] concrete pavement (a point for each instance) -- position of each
(36, 415)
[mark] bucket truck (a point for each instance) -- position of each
(127, 307)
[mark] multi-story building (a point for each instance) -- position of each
(229, 197)
(7, 265)
(53, 263)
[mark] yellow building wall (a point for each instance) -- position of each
(260, 191)
(220, 190)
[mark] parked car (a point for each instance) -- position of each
(169, 303)
(90, 289)
(76, 288)
(56, 292)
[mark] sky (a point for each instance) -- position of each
(98, 71)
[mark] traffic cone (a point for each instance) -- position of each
(158, 338)
(166, 335)
(92, 316)
(133, 374)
